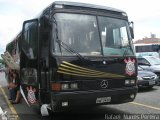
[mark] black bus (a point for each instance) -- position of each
(77, 54)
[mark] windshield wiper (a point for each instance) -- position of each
(64, 45)
(127, 48)
(69, 49)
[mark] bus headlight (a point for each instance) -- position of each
(64, 86)
(74, 86)
(130, 82)
(133, 82)
(127, 82)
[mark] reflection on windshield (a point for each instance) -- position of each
(115, 36)
(83, 34)
(80, 32)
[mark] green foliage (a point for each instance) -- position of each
(2, 61)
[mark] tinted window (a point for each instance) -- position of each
(29, 44)
(79, 32)
(115, 36)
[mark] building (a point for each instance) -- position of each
(148, 41)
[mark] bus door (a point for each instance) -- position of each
(44, 84)
(29, 62)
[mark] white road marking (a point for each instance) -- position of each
(148, 106)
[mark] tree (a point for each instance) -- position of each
(2, 61)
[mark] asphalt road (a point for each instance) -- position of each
(146, 106)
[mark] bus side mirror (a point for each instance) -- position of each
(131, 27)
(132, 33)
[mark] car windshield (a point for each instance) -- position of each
(92, 35)
(153, 60)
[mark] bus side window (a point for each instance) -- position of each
(30, 42)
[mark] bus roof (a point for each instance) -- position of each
(76, 4)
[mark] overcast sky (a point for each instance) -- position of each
(144, 13)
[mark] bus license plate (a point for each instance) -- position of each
(103, 100)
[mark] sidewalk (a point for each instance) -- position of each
(3, 84)
(5, 104)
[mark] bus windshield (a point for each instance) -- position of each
(92, 35)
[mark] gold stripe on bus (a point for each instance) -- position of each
(72, 65)
(85, 70)
(80, 74)
(91, 74)
(80, 70)
(86, 74)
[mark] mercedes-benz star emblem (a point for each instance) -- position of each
(104, 84)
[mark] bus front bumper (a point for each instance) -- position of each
(61, 101)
